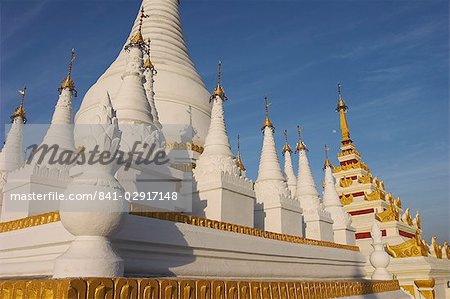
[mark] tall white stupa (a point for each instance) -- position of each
(181, 96)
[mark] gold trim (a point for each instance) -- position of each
(203, 222)
(426, 284)
(367, 179)
(375, 195)
(409, 289)
(446, 249)
(357, 165)
(188, 219)
(436, 247)
(406, 218)
(140, 288)
(346, 199)
(349, 152)
(29, 222)
(414, 247)
(392, 213)
(345, 182)
(184, 146)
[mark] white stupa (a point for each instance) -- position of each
(288, 169)
(343, 231)
(180, 94)
(318, 221)
(275, 210)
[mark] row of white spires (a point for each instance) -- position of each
(137, 84)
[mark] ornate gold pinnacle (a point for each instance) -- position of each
(300, 145)
(137, 40)
(238, 156)
(148, 64)
(286, 147)
(68, 83)
(342, 108)
(327, 161)
(267, 122)
(20, 111)
(218, 90)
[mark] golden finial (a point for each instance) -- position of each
(137, 39)
(267, 122)
(238, 156)
(218, 91)
(286, 147)
(148, 65)
(417, 220)
(327, 161)
(341, 104)
(300, 145)
(68, 82)
(20, 111)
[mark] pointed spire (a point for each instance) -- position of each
(267, 122)
(137, 40)
(306, 191)
(342, 109)
(331, 200)
(300, 145)
(288, 169)
(238, 156)
(217, 155)
(327, 161)
(20, 111)
(218, 91)
(68, 83)
(286, 147)
(269, 165)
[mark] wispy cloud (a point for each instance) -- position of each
(410, 39)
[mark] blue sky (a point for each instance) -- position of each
(391, 56)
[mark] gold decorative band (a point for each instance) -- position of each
(29, 222)
(184, 146)
(203, 222)
(188, 219)
(124, 288)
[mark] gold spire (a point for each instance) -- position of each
(286, 147)
(238, 156)
(148, 65)
(137, 39)
(218, 91)
(327, 161)
(68, 82)
(342, 109)
(267, 122)
(20, 111)
(300, 145)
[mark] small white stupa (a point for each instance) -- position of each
(60, 132)
(44, 171)
(275, 210)
(149, 73)
(223, 193)
(11, 156)
(319, 224)
(288, 169)
(344, 233)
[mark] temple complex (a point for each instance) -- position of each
(215, 233)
